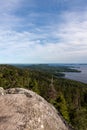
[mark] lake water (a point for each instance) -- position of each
(82, 76)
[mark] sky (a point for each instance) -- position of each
(43, 31)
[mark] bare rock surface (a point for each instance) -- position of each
(2, 91)
(22, 109)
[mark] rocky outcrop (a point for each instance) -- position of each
(21, 109)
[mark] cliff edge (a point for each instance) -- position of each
(22, 109)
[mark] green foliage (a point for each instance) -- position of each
(79, 118)
(69, 97)
(61, 106)
(36, 87)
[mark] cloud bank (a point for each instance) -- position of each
(33, 34)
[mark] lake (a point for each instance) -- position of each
(82, 76)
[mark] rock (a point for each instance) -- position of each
(22, 109)
(2, 91)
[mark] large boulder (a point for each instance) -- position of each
(21, 109)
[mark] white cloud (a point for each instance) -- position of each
(27, 47)
(63, 40)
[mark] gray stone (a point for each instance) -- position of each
(21, 109)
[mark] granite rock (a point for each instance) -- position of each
(22, 109)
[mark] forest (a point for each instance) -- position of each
(68, 97)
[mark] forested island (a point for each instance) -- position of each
(56, 70)
(69, 97)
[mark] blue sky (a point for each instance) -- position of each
(49, 31)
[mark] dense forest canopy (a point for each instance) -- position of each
(68, 96)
